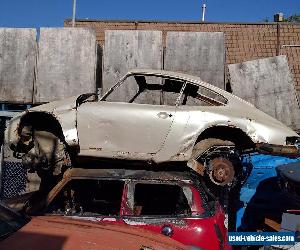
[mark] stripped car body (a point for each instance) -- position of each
(176, 204)
(156, 122)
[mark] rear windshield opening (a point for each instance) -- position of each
(88, 197)
(160, 199)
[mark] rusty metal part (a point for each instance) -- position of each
(137, 174)
(288, 150)
(272, 224)
(196, 166)
(113, 174)
(155, 221)
(221, 171)
(26, 135)
(48, 152)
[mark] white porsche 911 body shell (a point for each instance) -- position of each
(157, 133)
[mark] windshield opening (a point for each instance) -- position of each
(146, 89)
(162, 90)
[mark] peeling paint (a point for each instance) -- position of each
(154, 221)
(109, 219)
(134, 222)
(71, 134)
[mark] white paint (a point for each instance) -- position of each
(134, 223)
(71, 134)
(86, 218)
(109, 219)
(203, 12)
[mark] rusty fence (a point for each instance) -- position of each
(13, 176)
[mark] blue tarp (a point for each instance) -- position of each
(260, 191)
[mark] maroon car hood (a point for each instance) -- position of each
(57, 232)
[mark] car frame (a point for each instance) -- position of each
(209, 138)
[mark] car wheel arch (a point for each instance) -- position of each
(226, 133)
(36, 126)
(223, 164)
(49, 124)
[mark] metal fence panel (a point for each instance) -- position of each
(17, 62)
(14, 179)
(267, 83)
(197, 53)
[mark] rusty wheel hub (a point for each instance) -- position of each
(222, 171)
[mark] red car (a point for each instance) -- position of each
(58, 232)
(175, 204)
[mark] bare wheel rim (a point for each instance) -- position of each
(222, 171)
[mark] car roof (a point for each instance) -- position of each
(194, 79)
(60, 232)
(127, 174)
(166, 73)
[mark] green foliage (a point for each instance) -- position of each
(266, 20)
(293, 18)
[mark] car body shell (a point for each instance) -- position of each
(157, 133)
(203, 228)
